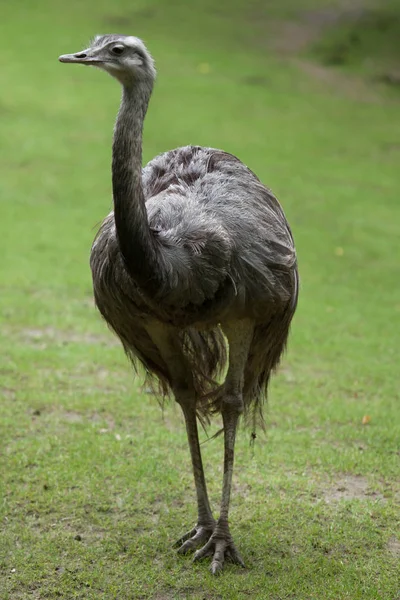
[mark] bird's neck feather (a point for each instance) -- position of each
(135, 239)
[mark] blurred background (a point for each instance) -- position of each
(307, 95)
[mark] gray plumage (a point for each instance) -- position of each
(196, 247)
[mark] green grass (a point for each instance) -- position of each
(365, 39)
(96, 480)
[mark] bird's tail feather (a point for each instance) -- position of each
(206, 352)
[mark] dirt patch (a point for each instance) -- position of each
(48, 336)
(295, 36)
(362, 38)
(367, 35)
(185, 593)
(351, 487)
(353, 86)
(241, 489)
(8, 393)
(394, 546)
(105, 421)
(72, 417)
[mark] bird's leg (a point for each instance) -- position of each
(165, 339)
(220, 545)
(205, 521)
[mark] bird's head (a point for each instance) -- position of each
(124, 57)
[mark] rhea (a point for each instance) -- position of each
(196, 257)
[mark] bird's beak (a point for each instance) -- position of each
(81, 58)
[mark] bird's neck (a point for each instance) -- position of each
(135, 239)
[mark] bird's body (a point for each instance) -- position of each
(196, 247)
(227, 249)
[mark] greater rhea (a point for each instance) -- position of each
(197, 256)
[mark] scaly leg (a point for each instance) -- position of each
(220, 544)
(165, 339)
(205, 521)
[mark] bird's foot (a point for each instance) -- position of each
(194, 538)
(221, 547)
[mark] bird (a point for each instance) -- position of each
(195, 270)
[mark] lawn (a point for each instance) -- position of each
(96, 478)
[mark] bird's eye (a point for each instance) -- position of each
(117, 50)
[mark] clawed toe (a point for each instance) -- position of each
(194, 538)
(221, 548)
(185, 537)
(234, 556)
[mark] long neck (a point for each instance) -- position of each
(136, 241)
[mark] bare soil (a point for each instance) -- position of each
(351, 487)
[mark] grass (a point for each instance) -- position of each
(96, 478)
(367, 39)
